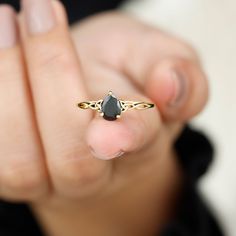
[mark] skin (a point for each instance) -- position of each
(61, 160)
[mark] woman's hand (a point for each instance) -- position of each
(64, 160)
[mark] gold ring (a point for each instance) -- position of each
(111, 108)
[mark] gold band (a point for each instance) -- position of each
(125, 105)
(111, 108)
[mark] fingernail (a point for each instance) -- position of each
(8, 29)
(39, 15)
(104, 156)
(179, 88)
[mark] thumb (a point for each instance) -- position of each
(179, 88)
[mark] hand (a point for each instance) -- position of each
(46, 157)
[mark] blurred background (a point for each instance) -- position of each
(209, 25)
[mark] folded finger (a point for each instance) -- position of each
(170, 73)
(179, 87)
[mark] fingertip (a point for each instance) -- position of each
(179, 88)
(162, 85)
(8, 27)
(42, 17)
(60, 12)
(8, 9)
(134, 131)
(109, 139)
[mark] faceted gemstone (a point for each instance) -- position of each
(111, 107)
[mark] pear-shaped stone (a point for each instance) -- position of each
(111, 107)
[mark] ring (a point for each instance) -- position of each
(111, 108)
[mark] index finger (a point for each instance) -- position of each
(56, 84)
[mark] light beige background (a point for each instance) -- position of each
(210, 25)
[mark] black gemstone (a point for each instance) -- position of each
(111, 107)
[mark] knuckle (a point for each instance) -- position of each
(188, 49)
(188, 52)
(176, 45)
(78, 170)
(184, 63)
(188, 66)
(56, 60)
(80, 174)
(192, 51)
(8, 61)
(21, 181)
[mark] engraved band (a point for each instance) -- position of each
(111, 107)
